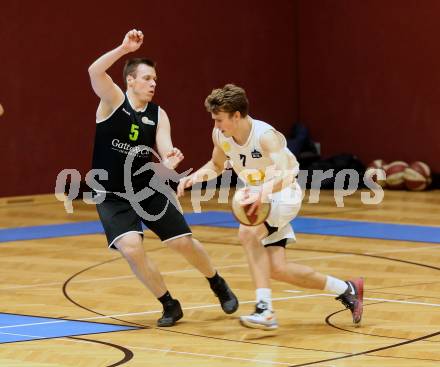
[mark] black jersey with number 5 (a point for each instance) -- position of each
(120, 136)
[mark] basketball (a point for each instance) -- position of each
(394, 172)
(371, 173)
(417, 176)
(240, 211)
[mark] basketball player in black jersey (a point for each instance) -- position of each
(128, 127)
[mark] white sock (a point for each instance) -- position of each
(335, 285)
(264, 294)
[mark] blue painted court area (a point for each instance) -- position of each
(345, 228)
(328, 227)
(50, 231)
(17, 328)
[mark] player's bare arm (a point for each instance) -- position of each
(171, 156)
(110, 94)
(273, 143)
(215, 164)
(278, 176)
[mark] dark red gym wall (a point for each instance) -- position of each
(369, 74)
(47, 46)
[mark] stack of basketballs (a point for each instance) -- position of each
(400, 175)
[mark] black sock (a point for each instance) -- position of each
(166, 298)
(215, 279)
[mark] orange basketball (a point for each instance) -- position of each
(417, 176)
(394, 172)
(240, 211)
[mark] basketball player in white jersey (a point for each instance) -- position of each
(259, 156)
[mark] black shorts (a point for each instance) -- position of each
(118, 217)
(271, 230)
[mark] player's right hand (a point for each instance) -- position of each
(133, 40)
(249, 199)
(184, 183)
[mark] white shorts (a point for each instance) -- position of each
(285, 206)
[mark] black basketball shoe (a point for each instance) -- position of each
(353, 298)
(227, 298)
(172, 312)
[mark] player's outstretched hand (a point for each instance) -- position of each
(184, 183)
(173, 158)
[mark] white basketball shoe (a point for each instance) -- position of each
(262, 318)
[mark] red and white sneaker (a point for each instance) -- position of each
(353, 299)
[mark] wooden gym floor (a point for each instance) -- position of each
(77, 278)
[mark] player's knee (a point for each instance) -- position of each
(246, 235)
(277, 270)
(132, 252)
(181, 244)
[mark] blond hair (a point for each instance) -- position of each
(230, 99)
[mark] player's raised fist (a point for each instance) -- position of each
(133, 40)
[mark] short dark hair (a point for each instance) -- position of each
(230, 98)
(131, 65)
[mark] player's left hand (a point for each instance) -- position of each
(173, 158)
